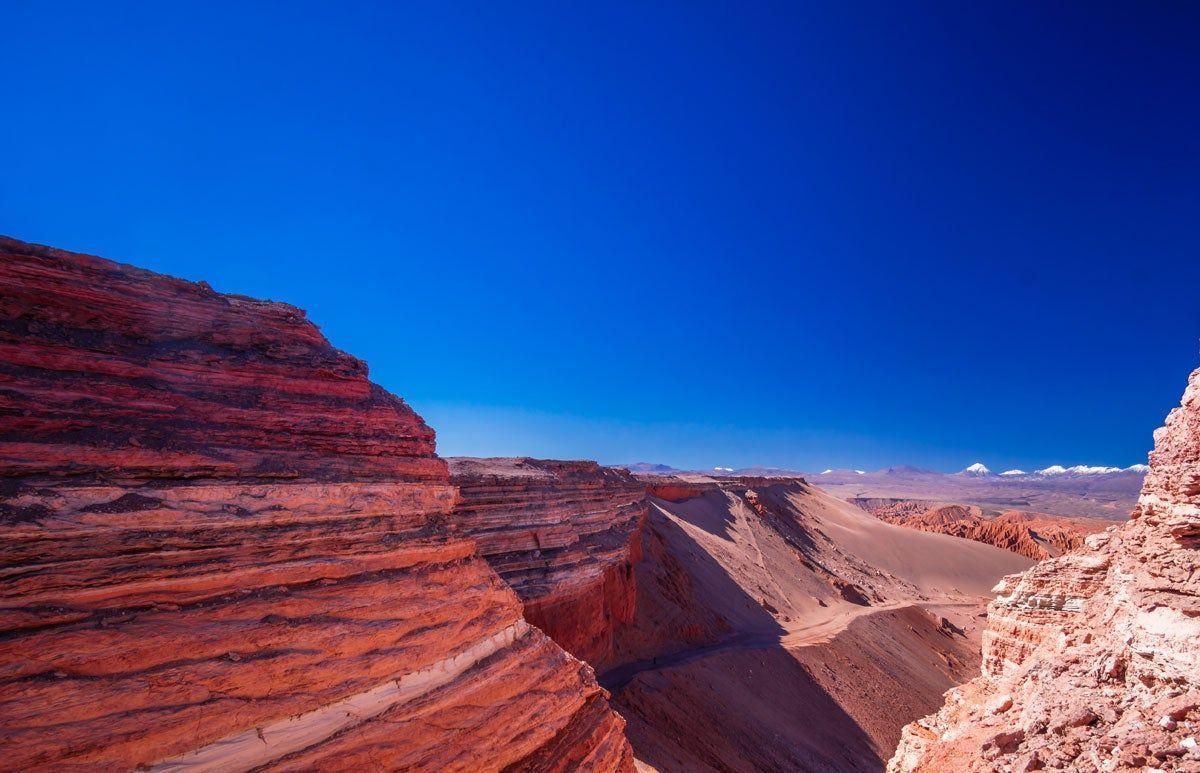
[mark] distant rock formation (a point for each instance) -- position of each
(1092, 660)
(226, 549)
(1034, 535)
(1091, 492)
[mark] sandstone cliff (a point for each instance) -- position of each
(564, 535)
(224, 548)
(1091, 661)
(1034, 535)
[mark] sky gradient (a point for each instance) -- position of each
(803, 235)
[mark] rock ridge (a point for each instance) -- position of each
(1091, 659)
(1033, 535)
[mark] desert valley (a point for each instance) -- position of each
(226, 549)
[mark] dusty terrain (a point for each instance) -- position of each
(1033, 535)
(781, 628)
(1107, 495)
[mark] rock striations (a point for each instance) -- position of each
(1092, 660)
(1034, 535)
(224, 549)
(564, 535)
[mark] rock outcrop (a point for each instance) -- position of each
(224, 548)
(564, 535)
(1092, 660)
(1034, 535)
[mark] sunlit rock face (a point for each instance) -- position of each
(225, 549)
(1033, 535)
(1092, 660)
(565, 536)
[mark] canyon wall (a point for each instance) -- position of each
(565, 536)
(1092, 660)
(224, 548)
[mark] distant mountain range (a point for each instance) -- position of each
(1079, 490)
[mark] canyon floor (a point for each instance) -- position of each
(781, 628)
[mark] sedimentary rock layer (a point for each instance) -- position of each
(1092, 660)
(564, 535)
(224, 548)
(1034, 535)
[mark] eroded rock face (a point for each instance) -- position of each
(564, 535)
(1091, 660)
(1034, 535)
(224, 549)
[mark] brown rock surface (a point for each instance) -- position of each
(1034, 535)
(1091, 660)
(564, 535)
(224, 548)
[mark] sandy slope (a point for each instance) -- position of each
(781, 628)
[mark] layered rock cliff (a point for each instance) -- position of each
(1092, 660)
(564, 535)
(1034, 535)
(224, 549)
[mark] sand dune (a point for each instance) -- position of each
(769, 614)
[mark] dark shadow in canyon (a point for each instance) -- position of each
(702, 680)
(698, 512)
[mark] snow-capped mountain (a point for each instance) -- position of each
(1090, 490)
(1058, 469)
(1084, 469)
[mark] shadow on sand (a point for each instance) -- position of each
(718, 692)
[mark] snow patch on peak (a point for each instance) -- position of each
(826, 472)
(977, 469)
(1087, 469)
(1083, 469)
(1014, 472)
(861, 472)
(722, 469)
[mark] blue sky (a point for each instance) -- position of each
(804, 235)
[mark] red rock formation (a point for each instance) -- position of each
(673, 489)
(224, 548)
(1092, 660)
(564, 535)
(1034, 535)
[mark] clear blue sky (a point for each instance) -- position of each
(805, 235)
